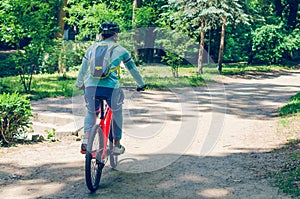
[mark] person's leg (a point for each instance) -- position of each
(90, 119)
(117, 125)
(116, 102)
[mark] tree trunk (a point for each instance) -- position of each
(136, 4)
(201, 50)
(209, 47)
(136, 36)
(293, 12)
(61, 16)
(61, 23)
(221, 51)
(278, 8)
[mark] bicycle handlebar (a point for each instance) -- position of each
(138, 89)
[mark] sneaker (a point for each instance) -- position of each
(119, 149)
(83, 148)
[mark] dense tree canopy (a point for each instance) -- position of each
(253, 31)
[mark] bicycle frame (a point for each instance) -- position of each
(105, 124)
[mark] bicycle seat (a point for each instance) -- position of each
(100, 98)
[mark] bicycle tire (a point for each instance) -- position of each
(94, 165)
(113, 159)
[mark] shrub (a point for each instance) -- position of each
(266, 44)
(15, 114)
(7, 65)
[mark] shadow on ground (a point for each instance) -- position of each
(242, 175)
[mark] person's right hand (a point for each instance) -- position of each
(81, 88)
(141, 88)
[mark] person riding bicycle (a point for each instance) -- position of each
(108, 87)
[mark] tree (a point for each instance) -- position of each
(33, 22)
(278, 8)
(136, 4)
(200, 15)
(232, 13)
(293, 12)
(144, 20)
(62, 15)
(87, 17)
(208, 14)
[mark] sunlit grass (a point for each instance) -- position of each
(161, 77)
(42, 86)
(156, 76)
(292, 107)
(288, 178)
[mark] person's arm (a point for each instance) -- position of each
(82, 72)
(130, 65)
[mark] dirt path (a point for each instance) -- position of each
(210, 142)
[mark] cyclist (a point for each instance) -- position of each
(108, 87)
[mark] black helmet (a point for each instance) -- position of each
(109, 28)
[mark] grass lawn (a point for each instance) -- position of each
(43, 85)
(156, 76)
(288, 177)
(54, 85)
(292, 107)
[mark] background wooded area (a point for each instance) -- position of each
(50, 36)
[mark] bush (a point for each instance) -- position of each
(266, 44)
(7, 65)
(291, 43)
(15, 114)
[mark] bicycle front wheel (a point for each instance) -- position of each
(93, 161)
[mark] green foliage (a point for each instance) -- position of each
(287, 180)
(51, 135)
(32, 21)
(68, 53)
(27, 63)
(7, 65)
(291, 42)
(161, 77)
(195, 18)
(292, 107)
(288, 177)
(174, 61)
(157, 76)
(145, 16)
(15, 114)
(238, 43)
(266, 44)
(43, 85)
(177, 46)
(89, 16)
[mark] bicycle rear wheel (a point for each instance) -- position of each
(93, 160)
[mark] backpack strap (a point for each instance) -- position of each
(118, 68)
